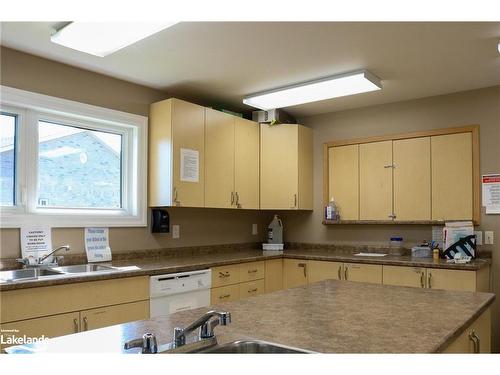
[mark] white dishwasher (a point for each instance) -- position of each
(179, 291)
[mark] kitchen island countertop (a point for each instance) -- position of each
(328, 316)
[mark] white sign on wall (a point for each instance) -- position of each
(97, 244)
(35, 241)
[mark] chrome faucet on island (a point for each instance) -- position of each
(206, 336)
(29, 262)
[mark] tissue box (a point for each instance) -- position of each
(421, 252)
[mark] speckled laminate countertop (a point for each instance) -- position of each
(181, 263)
(328, 316)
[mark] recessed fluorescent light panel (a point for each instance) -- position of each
(103, 38)
(313, 91)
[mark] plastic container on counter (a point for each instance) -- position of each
(396, 246)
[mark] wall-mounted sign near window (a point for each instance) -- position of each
(35, 241)
(190, 165)
(97, 244)
(491, 193)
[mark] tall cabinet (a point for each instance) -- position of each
(176, 154)
(285, 167)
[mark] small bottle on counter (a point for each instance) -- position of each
(435, 253)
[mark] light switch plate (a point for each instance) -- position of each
(176, 231)
(479, 237)
(254, 229)
(488, 237)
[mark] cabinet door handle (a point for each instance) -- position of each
(176, 202)
(85, 324)
(232, 198)
(476, 341)
(75, 323)
(252, 271)
(224, 275)
(224, 296)
(252, 290)
(237, 199)
(345, 273)
(422, 284)
(304, 266)
(429, 277)
(294, 201)
(339, 273)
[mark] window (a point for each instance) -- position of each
(70, 164)
(7, 158)
(78, 168)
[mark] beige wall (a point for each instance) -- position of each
(209, 226)
(472, 107)
(198, 226)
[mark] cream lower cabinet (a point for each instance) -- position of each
(294, 273)
(437, 278)
(111, 315)
(366, 273)
(475, 339)
(320, 270)
(69, 308)
(237, 281)
(404, 276)
(285, 167)
(273, 275)
(48, 327)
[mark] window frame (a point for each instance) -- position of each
(32, 107)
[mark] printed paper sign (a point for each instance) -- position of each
(97, 244)
(190, 165)
(491, 193)
(36, 241)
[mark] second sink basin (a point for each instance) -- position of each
(254, 347)
(29, 273)
(82, 268)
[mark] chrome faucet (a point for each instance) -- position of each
(148, 344)
(39, 261)
(205, 324)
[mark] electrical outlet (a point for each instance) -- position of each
(479, 237)
(176, 231)
(254, 229)
(488, 237)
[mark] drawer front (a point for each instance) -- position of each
(224, 294)
(252, 288)
(111, 315)
(252, 271)
(225, 275)
(50, 300)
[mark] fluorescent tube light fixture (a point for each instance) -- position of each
(103, 38)
(313, 91)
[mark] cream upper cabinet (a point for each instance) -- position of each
(421, 177)
(285, 167)
(219, 159)
(452, 185)
(246, 163)
(344, 180)
(375, 181)
(412, 179)
(176, 139)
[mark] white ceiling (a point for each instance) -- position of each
(220, 63)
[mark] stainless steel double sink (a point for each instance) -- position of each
(253, 347)
(35, 273)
